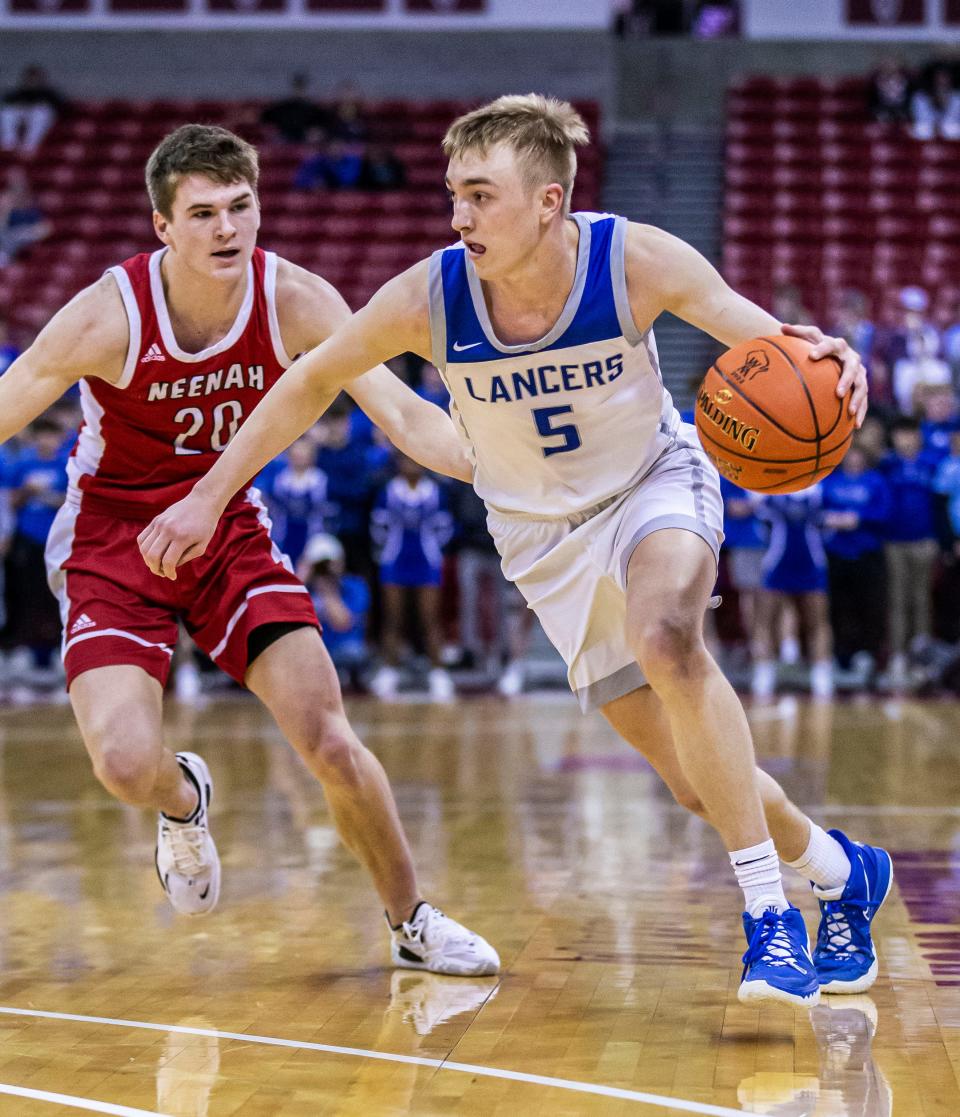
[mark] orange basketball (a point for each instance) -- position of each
(769, 416)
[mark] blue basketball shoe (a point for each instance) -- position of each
(844, 956)
(777, 965)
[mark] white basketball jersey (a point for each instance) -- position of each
(562, 424)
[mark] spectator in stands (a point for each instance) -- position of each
(951, 340)
(346, 119)
(907, 332)
(946, 485)
(432, 387)
(716, 19)
(940, 410)
(342, 602)
(856, 507)
(788, 304)
(28, 111)
(8, 456)
(921, 368)
(21, 221)
(38, 485)
(872, 439)
(649, 17)
(484, 593)
(888, 93)
(410, 526)
(298, 499)
(744, 543)
(335, 165)
(382, 170)
(911, 546)
(851, 321)
(8, 351)
(946, 482)
(935, 107)
(296, 119)
(794, 567)
(356, 468)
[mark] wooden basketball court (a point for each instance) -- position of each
(615, 914)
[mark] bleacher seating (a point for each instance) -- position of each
(820, 197)
(88, 178)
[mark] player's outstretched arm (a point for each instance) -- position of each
(387, 325)
(87, 337)
(310, 310)
(690, 287)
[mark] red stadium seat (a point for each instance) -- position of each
(90, 184)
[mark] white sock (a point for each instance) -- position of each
(758, 874)
(823, 861)
(821, 679)
(764, 681)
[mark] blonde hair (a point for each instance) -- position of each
(541, 130)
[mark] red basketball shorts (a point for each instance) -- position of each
(116, 611)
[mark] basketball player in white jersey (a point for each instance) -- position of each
(606, 511)
(173, 351)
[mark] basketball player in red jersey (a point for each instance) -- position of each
(173, 351)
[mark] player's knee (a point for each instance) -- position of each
(670, 646)
(126, 771)
(687, 798)
(331, 750)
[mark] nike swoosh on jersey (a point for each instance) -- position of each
(458, 348)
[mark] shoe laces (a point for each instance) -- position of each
(436, 926)
(841, 937)
(186, 846)
(770, 942)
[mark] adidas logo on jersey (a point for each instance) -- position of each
(82, 622)
(152, 354)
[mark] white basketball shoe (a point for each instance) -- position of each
(187, 861)
(432, 941)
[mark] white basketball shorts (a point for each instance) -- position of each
(572, 570)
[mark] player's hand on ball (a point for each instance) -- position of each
(853, 378)
(177, 535)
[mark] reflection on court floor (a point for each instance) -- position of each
(613, 911)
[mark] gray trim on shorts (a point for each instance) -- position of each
(621, 298)
(696, 466)
(623, 681)
(438, 317)
(570, 307)
(659, 523)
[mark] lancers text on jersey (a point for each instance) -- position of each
(547, 379)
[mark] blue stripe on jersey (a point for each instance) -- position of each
(595, 318)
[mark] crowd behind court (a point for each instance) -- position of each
(852, 585)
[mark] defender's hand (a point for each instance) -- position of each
(177, 535)
(853, 378)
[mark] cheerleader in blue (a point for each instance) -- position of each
(794, 567)
(410, 527)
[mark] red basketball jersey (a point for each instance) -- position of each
(146, 440)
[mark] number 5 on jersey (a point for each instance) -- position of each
(546, 427)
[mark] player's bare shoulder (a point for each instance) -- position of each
(89, 336)
(663, 272)
(309, 308)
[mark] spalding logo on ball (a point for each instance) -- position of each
(769, 417)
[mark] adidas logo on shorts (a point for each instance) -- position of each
(82, 622)
(154, 353)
